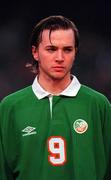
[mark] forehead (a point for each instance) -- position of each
(58, 36)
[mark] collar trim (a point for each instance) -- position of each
(70, 91)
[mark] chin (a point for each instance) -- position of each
(58, 77)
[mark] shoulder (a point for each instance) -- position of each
(18, 96)
(93, 95)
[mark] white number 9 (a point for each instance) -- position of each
(57, 149)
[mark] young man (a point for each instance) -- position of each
(57, 128)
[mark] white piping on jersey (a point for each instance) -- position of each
(50, 101)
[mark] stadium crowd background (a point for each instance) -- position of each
(93, 63)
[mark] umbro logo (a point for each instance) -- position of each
(28, 131)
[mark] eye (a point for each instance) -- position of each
(68, 50)
(51, 49)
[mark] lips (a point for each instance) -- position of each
(58, 68)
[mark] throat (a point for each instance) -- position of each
(54, 87)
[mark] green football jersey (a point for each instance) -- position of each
(72, 144)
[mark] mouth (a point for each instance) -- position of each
(58, 68)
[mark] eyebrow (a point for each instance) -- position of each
(53, 46)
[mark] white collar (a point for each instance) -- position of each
(70, 91)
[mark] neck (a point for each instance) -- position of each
(54, 86)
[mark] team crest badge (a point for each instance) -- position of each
(80, 126)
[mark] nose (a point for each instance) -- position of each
(59, 56)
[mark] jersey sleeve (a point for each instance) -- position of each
(107, 137)
(5, 172)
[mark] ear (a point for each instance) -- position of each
(35, 53)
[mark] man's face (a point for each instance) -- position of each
(55, 54)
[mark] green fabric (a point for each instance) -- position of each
(25, 154)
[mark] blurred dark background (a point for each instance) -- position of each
(93, 19)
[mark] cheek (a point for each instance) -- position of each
(70, 60)
(43, 57)
(44, 62)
